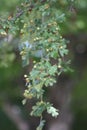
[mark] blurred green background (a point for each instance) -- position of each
(12, 81)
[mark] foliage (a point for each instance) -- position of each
(37, 23)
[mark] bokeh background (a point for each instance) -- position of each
(69, 94)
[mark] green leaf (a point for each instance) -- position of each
(41, 125)
(52, 70)
(63, 52)
(51, 110)
(54, 54)
(24, 101)
(38, 109)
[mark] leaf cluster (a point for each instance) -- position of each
(37, 23)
